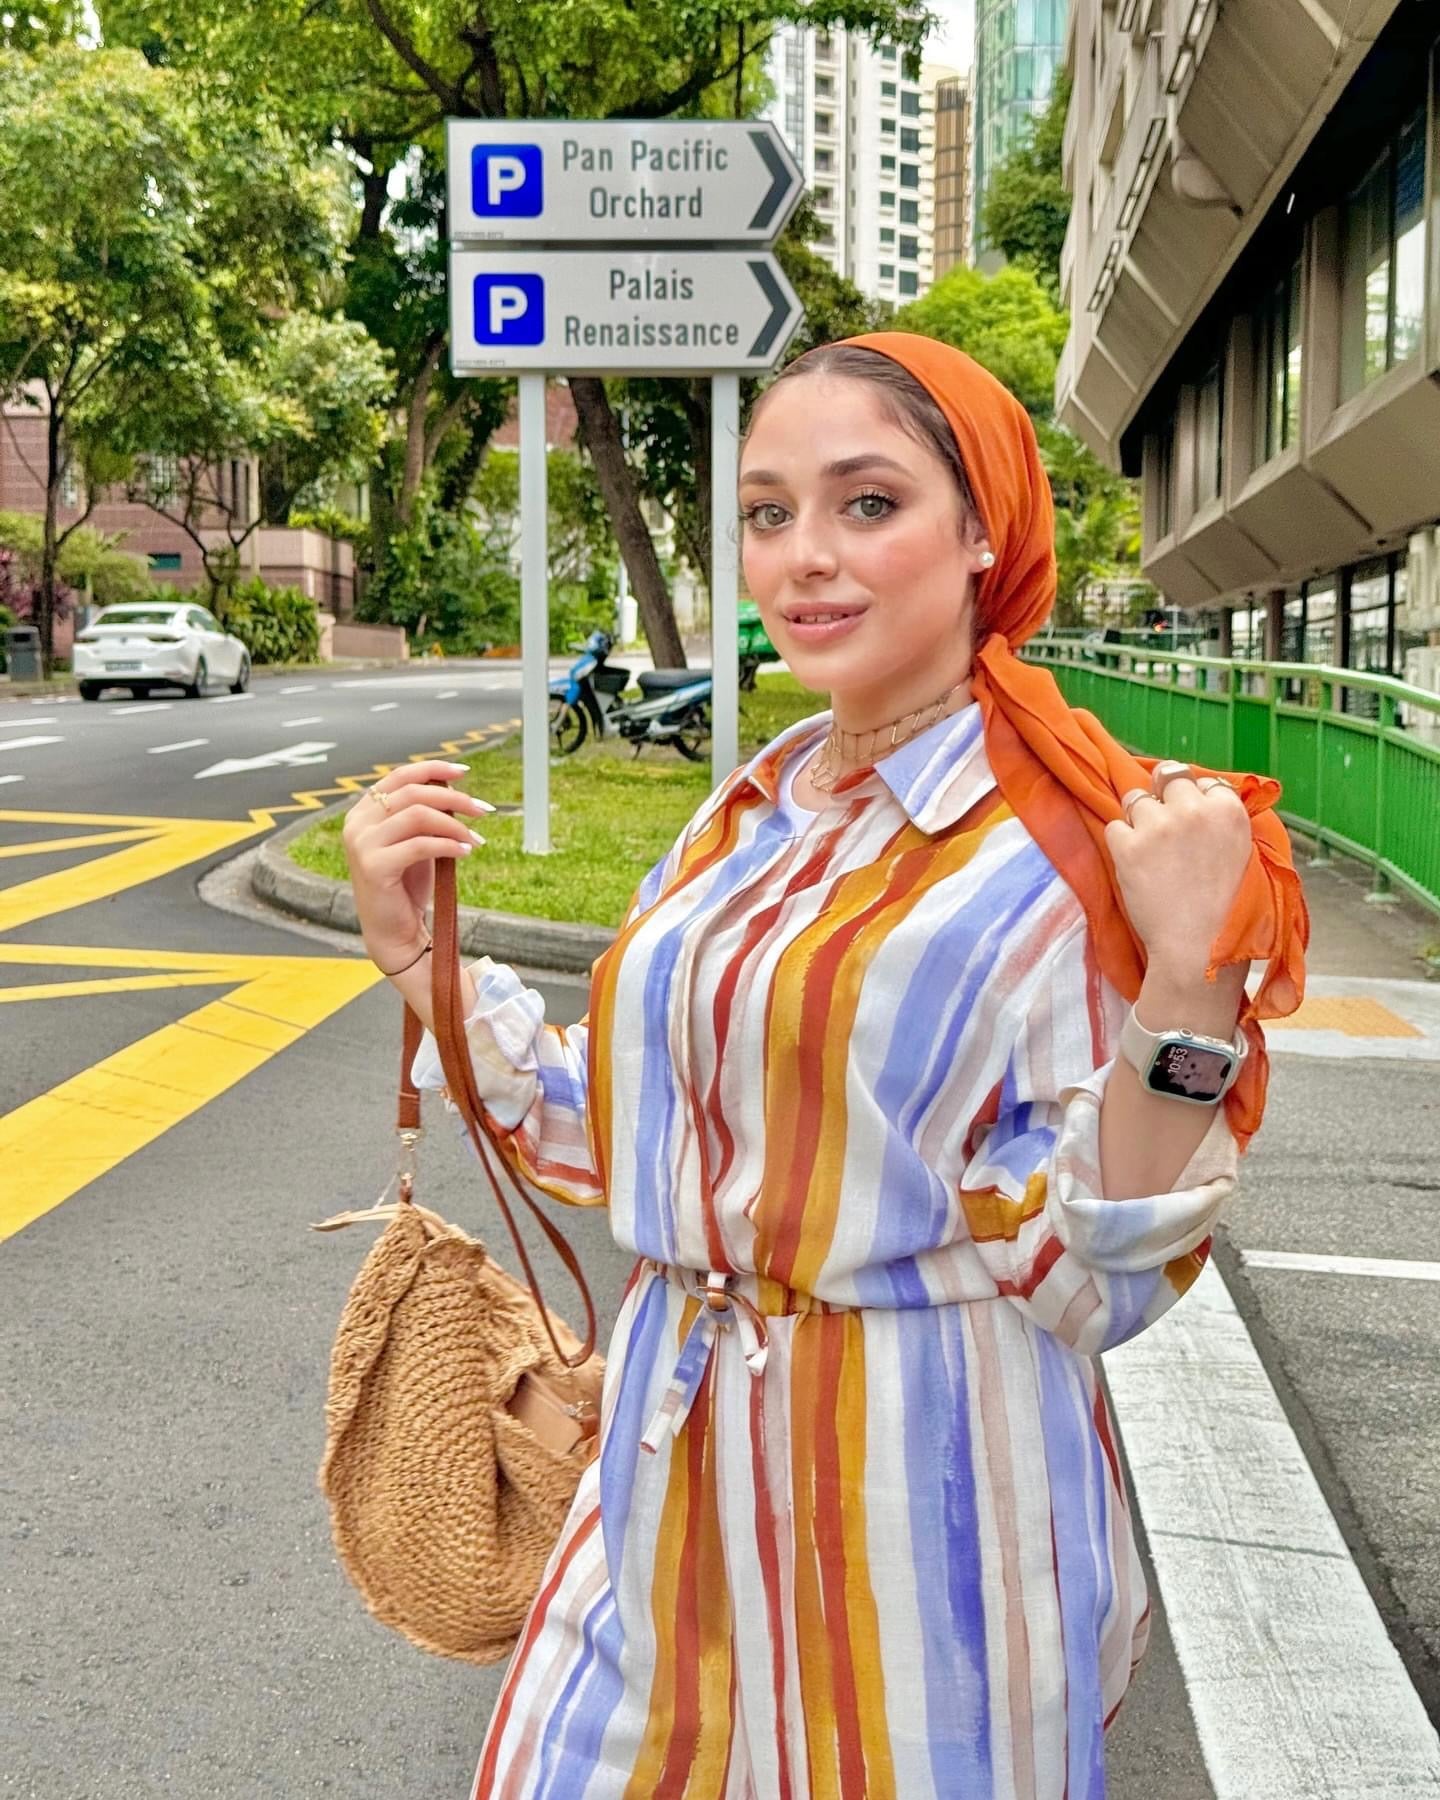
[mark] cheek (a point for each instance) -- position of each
(759, 562)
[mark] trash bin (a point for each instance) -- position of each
(22, 653)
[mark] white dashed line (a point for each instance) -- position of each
(128, 712)
(1385, 1267)
(285, 724)
(449, 694)
(23, 724)
(299, 690)
(30, 743)
(1294, 1685)
(5, 780)
(225, 699)
(385, 706)
(185, 744)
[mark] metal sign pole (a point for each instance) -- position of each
(724, 576)
(534, 616)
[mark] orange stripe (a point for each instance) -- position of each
(831, 1503)
(991, 1214)
(768, 1548)
(812, 1639)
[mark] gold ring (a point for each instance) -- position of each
(378, 794)
(1165, 772)
(1129, 801)
(1206, 782)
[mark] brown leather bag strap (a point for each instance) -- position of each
(460, 1080)
(407, 1112)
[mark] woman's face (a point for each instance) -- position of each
(857, 549)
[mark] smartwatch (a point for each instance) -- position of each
(1181, 1064)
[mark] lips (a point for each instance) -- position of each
(809, 615)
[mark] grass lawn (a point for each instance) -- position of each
(613, 816)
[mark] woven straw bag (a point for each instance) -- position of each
(461, 1413)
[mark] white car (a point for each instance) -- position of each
(140, 646)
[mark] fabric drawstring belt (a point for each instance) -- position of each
(723, 1307)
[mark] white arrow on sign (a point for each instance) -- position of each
(293, 756)
(612, 181)
(584, 312)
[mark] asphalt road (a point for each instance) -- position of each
(173, 1619)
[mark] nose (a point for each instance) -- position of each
(809, 548)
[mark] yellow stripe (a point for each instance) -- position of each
(61, 1141)
(990, 1215)
(710, 1602)
(812, 1640)
(120, 984)
(859, 1595)
(45, 846)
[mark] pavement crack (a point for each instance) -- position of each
(1237, 1543)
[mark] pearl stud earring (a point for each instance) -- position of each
(987, 559)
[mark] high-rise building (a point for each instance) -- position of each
(859, 118)
(952, 173)
(1019, 44)
(1253, 284)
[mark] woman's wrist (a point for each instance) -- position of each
(1176, 993)
(393, 959)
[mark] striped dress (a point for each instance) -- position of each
(857, 1527)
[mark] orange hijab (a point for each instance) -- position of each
(1057, 767)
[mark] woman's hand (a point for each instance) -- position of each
(392, 836)
(1180, 861)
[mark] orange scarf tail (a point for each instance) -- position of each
(1062, 774)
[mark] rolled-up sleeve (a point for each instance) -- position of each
(1091, 1270)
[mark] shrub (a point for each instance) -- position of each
(274, 624)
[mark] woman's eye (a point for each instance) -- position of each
(872, 506)
(765, 516)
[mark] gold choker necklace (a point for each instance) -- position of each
(842, 747)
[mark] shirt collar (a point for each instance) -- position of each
(937, 776)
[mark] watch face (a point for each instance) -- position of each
(1189, 1072)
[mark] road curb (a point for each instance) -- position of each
(559, 945)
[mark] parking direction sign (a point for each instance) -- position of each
(592, 312)
(616, 181)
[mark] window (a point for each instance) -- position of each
(824, 87)
(72, 486)
(887, 234)
(909, 281)
(910, 105)
(887, 128)
(909, 212)
(162, 475)
(887, 165)
(1369, 635)
(887, 90)
(887, 271)
(824, 44)
(910, 175)
(164, 559)
(909, 249)
(199, 621)
(910, 141)
(1277, 367)
(887, 202)
(1319, 621)
(824, 196)
(1382, 304)
(824, 162)
(887, 53)
(1209, 430)
(824, 123)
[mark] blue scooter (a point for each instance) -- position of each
(673, 707)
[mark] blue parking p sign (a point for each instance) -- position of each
(509, 309)
(506, 181)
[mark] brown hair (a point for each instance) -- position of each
(907, 402)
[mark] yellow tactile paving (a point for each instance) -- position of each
(1357, 1015)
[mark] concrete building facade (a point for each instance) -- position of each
(1253, 275)
(952, 173)
(860, 121)
(1018, 47)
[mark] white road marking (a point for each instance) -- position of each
(299, 690)
(5, 780)
(184, 744)
(1296, 1690)
(292, 756)
(128, 712)
(1386, 1267)
(449, 694)
(225, 699)
(30, 743)
(23, 724)
(385, 706)
(289, 724)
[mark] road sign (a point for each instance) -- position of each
(617, 181)
(583, 312)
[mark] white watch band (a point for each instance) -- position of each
(1138, 1045)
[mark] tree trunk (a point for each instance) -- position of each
(601, 432)
(49, 552)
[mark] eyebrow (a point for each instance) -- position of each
(847, 465)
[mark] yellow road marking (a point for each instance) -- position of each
(44, 846)
(113, 984)
(1354, 1014)
(61, 1141)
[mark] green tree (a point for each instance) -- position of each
(1027, 208)
(160, 229)
(1006, 321)
(379, 77)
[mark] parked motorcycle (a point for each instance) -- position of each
(673, 705)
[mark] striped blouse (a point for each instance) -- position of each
(857, 1526)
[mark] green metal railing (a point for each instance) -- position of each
(1358, 755)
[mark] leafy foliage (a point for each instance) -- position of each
(1006, 321)
(1027, 207)
(274, 624)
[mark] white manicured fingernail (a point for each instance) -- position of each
(459, 768)
(477, 837)
(484, 805)
(465, 849)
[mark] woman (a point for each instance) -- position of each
(849, 1085)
